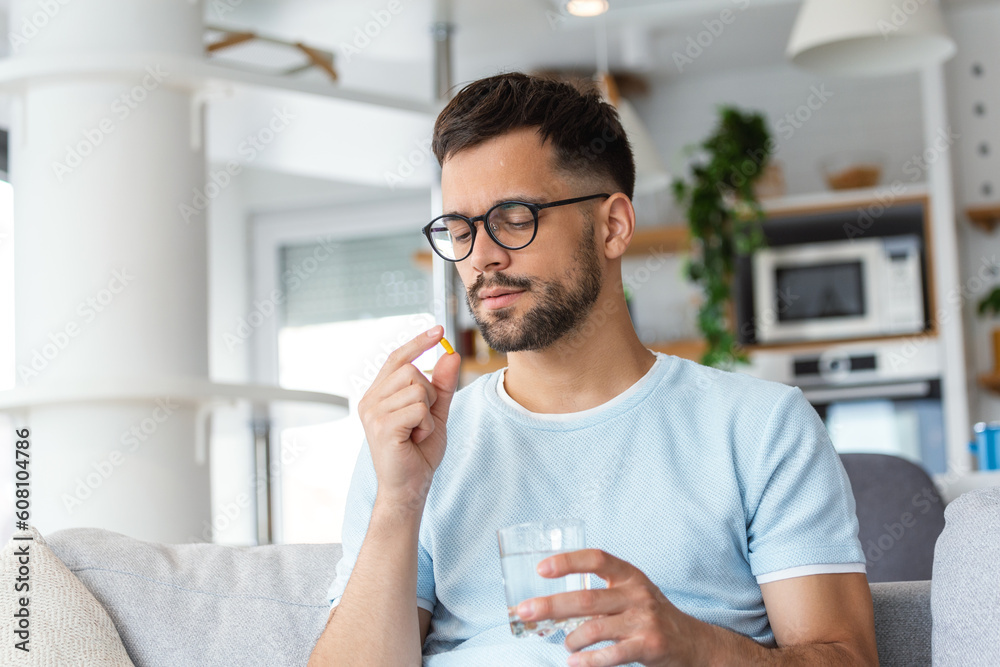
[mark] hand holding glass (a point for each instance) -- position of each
(522, 548)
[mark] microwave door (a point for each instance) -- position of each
(816, 292)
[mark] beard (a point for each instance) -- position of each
(559, 309)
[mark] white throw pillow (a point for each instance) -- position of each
(66, 624)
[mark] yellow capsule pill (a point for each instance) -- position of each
(447, 346)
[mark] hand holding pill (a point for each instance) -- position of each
(404, 415)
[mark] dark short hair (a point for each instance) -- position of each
(585, 131)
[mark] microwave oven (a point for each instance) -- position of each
(839, 289)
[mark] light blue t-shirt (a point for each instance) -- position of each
(709, 482)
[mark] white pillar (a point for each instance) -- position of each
(110, 281)
(938, 137)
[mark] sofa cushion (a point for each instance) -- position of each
(903, 623)
(965, 589)
(900, 516)
(205, 604)
(65, 623)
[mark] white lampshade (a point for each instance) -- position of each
(869, 37)
(650, 173)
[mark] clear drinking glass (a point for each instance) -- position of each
(522, 547)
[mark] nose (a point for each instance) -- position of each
(486, 254)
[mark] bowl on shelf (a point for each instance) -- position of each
(771, 183)
(852, 169)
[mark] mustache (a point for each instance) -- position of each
(498, 280)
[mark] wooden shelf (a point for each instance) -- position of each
(832, 342)
(991, 381)
(839, 200)
(424, 260)
(691, 348)
(496, 362)
(661, 240)
(984, 216)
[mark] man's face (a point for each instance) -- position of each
(524, 299)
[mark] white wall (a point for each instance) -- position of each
(881, 114)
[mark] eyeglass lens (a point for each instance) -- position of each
(512, 225)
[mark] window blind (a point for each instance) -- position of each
(333, 281)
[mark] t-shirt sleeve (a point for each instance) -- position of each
(800, 508)
(357, 515)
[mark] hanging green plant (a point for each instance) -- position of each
(724, 218)
(990, 304)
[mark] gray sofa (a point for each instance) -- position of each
(204, 604)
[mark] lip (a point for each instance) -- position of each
(498, 298)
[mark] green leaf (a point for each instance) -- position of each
(990, 303)
(724, 220)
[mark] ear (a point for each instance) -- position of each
(619, 225)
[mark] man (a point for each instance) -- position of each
(721, 521)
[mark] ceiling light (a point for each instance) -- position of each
(869, 37)
(586, 7)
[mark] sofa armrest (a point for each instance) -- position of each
(903, 623)
(966, 590)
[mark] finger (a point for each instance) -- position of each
(410, 418)
(613, 570)
(616, 627)
(427, 395)
(445, 381)
(575, 604)
(373, 403)
(404, 377)
(408, 395)
(408, 352)
(622, 653)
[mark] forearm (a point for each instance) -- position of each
(375, 622)
(727, 648)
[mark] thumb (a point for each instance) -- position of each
(445, 380)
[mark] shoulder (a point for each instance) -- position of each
(756, 422)
(721, 392)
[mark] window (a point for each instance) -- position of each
(342, 317)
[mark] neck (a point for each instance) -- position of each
(588, 367)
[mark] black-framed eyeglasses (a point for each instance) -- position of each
(511, 224)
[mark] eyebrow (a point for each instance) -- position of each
(531, 199)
